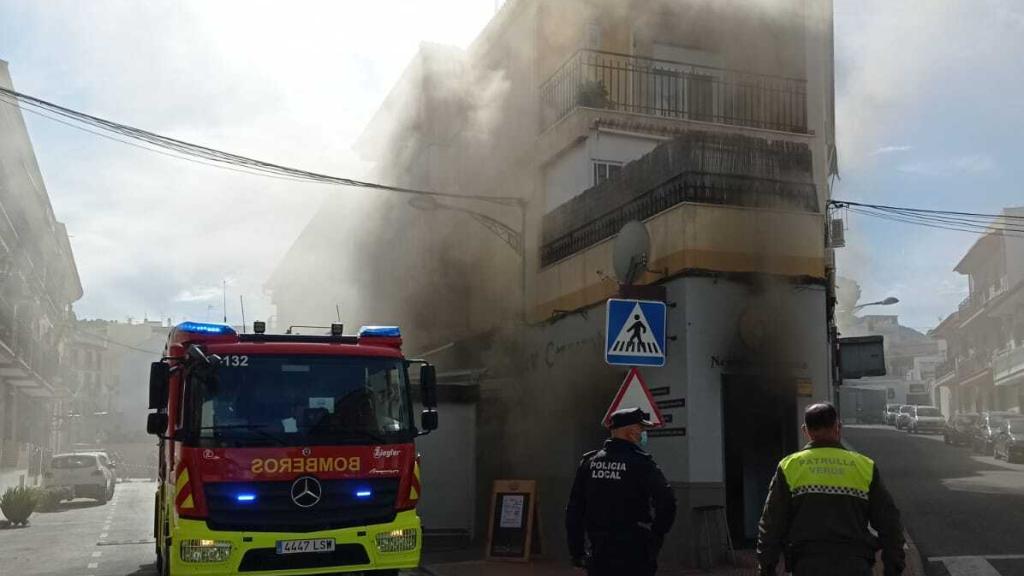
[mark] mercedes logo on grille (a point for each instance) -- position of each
(306, 492)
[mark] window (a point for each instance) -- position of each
(604, 170)
(299, 401)
(74, 461)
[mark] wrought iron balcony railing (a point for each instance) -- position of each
(605, 80)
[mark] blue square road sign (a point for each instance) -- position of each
(635, 333)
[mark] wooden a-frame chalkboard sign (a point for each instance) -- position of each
(513, 532)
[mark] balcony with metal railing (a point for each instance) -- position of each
(30, 361)
(673, 90)
(976, 301)
(1008, 366)
(973, 365)
(697, 168)
(945, 369)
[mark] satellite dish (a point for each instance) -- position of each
(630, 251)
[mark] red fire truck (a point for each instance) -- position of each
(287, 454)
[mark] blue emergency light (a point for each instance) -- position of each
(380, 332)
(245, 497)
(206, 328)
(364, 493)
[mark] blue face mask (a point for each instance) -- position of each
(643, 439)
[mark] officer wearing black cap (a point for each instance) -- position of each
(620, 502)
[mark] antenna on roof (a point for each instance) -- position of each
(241, 301)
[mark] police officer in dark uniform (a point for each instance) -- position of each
(820, 504)
(620, 502)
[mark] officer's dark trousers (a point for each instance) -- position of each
(623, 557)
(832, 566)
(621, 567)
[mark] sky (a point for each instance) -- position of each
(928, 114)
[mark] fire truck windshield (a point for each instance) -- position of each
(298, 400)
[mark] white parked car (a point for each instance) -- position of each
(925, 420)
(84, 474)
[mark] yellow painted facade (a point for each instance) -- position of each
(715, 238)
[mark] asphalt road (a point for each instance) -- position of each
(85, 538)
(965, 512)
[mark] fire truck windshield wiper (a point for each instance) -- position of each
(259, 429)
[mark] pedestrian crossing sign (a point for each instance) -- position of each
(635, 333)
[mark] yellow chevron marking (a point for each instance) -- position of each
(182, 481)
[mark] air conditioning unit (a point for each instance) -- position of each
(836, 233)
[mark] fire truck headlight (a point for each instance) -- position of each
(205, 550)
(403, 540)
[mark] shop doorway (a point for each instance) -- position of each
(759, 428)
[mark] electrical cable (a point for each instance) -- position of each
(971, 222)
(841, 203)
(224, 159)
(925, 221)
(981, 224)
(146, 148)
(903, 220)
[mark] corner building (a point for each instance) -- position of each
(711, 123)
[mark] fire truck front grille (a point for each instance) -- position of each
(269, 506)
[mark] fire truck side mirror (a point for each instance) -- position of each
(156, 424)
(159, 377)
(428, 420)
(428, 386)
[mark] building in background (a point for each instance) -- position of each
(107, 389)
(985, 335)
(38, 284)
(711, 123)
(911, 359)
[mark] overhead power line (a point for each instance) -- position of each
(971, 222)
(842, 203)
(183, 150)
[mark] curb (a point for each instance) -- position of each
(915, 564)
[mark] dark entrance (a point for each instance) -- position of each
(759, 428)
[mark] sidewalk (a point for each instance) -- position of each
(541, 568)
(552, 568)
(745, 562)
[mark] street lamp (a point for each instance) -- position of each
(514, 238)
(887, 302)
